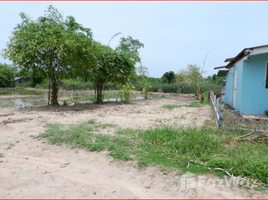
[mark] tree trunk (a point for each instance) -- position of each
(145, 95)
(49, 92)
(55, 90)
(197, 94)
(127, 97)
(99, 88)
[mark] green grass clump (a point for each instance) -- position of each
(111, 96)
(83, 136)
(77, 96)
(4, 91)
(171, 107)
(1, 155)
(194, 104)
(181, 148)
(65, 103)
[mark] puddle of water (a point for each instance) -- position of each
(27, 103)
(37, 98)
(28, 97)
(23, 102)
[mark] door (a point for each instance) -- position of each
(235, 86)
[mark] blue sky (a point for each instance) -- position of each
(175, 34)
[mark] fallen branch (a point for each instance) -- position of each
(252, 137)
(211, 169)
(248, 134)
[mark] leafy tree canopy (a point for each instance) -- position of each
(112, 66)
(130, 47)
(51, 45)
(7, 75)
(194, 75)
(168, 77)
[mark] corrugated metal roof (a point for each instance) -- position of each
(239, 56)
(242, 54)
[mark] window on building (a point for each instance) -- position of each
(266, 77)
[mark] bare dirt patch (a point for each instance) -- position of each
(32, 168)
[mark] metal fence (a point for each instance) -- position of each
(218, 105)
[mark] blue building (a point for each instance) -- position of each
(247, 81)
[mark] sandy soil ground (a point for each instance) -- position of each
(32, 168)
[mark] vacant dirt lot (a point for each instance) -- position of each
(32, 168)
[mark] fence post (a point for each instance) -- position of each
(221, 103)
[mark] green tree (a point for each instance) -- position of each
(181, 76)
(168, 77)
(182, 80)
(51, 45)
(142, 72)
(214, 77)
(130, 47)
(194, 77)
(112, 66)
(125, 92)
(7, 75)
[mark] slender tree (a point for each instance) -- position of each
(112, 67)
(195, 78)
(143, 74)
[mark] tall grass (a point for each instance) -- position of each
(170, 147)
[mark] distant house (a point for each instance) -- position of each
(20, 80)
(247, 81)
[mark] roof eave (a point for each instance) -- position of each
(221, 67)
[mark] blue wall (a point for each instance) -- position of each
(251, 95)
(255, 96)
(229, 90)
